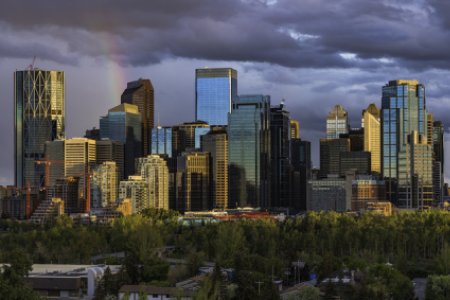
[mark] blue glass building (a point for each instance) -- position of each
(403, 111)
(249, 151)
(215, 90)
(162, 141)
(123, 124)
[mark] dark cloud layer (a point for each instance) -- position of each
(313, 53)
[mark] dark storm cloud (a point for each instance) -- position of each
(309, 33)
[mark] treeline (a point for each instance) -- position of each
(415, 243)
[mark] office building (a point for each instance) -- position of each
(154, 171)
(39, 116)
(330, 153)
(67, 190)
(295, 129)
(327, 194)
(302, 172)
(337, 122)
(415, 169)
(93, 134)
(357, 161)
(162, 141)
(135, 189)
(104, 185)
(79, 159)
(141, 94)
(249, 152)
(193, 181)
(109, 150)
(53, 161)
(403, 111)
(280, 156)
(438, 157)
(186, 136)
(372, 138)
(367, 189)
(123, 124)
(216, 143)
(356, 137)
(215, 90)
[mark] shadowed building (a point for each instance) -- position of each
(215, 90)
(216, 143)
(39, 116)
(249, 151)
(330, 154)
(141, 94)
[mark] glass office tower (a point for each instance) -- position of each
(39, 107)
(403, 111)
(215, 90)
(123, 124)
(162, 141)
(249, 151)
(337, 122)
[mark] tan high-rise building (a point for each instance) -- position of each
(430, 126)
(79, 158)
(155, 172)
(193, 174)
(135, 189)
(372, 135)
(295, 129)
(104, 184)
(216, 143)
(337, 122)
(141, 93)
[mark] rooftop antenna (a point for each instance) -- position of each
(31, 66)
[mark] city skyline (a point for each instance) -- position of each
(352, 76)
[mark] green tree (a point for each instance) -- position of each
(438, 287)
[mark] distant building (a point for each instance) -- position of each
(154, 171)
(141, 93)
(186, 136)
(280, 155)
(79, 159)
(358, 161)
(327, 194)
(216, 143)
(39, 116)
(403, 111)
(438, 157)
(367, 189)
(302, 172)
(135, 189)
(330, 154)
(356, 136)
(109, 150)
(123, 124)
(67, 190)
(372, 136)
(337, 122)
(193, 181)
(162, 141)
(93, 134)
(104, 185)
(54, 157)
(295, 129)
(135, 292)
(215, 90)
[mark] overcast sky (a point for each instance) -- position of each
(312, 53)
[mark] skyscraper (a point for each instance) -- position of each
(141, 94)
(438, 164)
(162, 141)
(302, 166)
(54, 157)
(215, 90)
(193, 181)
(186, 136)
(216, 143)
(123, 124)
(249, 151)
(295, 129)
(280, 155)
(154, 171)
(39, 116)
(79, 159)
(330, 155)
(372, 139)
(109, 150)
(104, 184)
(337, 122)
(403, 111)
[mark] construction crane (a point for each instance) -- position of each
(31, 66)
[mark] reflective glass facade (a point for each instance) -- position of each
(215, 90)
(162, 141)
(39, 117)
(403, 111)
(249, 151)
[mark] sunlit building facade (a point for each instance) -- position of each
(39, 116)
(372, 138)
(154, 171)
(215, 90)
(337, 122)
(104, 185)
